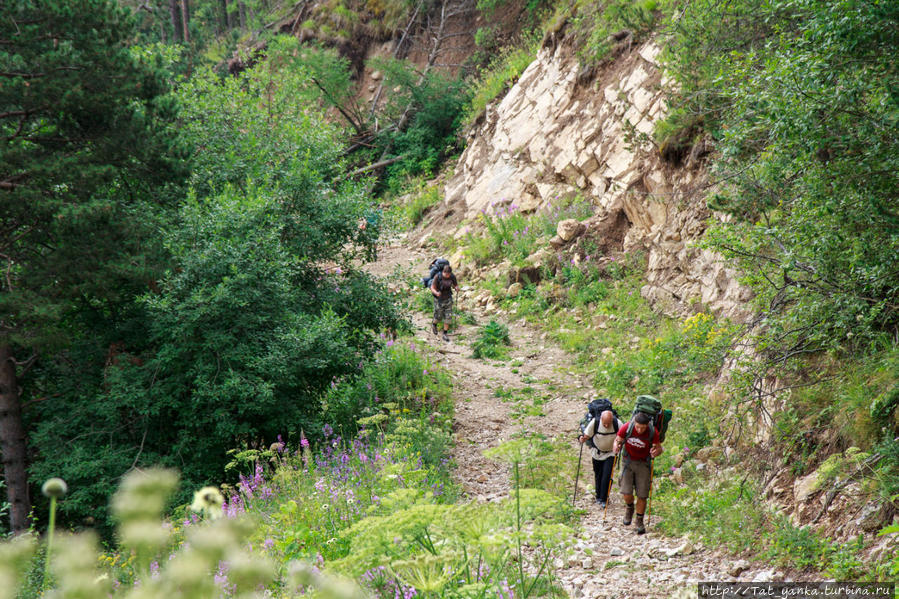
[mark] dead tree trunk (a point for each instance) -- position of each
(242, 14)
(12, 443)
(226, 16)
(175, 12)
(185, 20)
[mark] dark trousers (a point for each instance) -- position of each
(602, 474)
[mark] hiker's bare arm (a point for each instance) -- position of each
(616, 446)
(434, 291)
(656, 450)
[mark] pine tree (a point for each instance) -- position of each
(87, 158)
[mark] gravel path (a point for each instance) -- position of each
(609, 560)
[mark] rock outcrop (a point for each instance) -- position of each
(558, 134)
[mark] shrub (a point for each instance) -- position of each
(397, 375)
(596, 22)
(260, 309)
(420, 202)
(513, 235)
(491, 341)
(808, 175)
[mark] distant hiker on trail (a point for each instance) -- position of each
(635, 471)
(442, 289)
(603, 433)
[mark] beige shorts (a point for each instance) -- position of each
(635, 475)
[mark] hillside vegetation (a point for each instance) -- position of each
(190, 192)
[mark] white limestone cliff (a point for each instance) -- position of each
(555, 134)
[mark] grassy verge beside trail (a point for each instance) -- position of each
(727, 512)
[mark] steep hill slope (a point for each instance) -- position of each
(565, 131)
(584, 136)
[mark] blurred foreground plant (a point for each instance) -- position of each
(211, 559)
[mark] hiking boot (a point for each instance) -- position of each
(600, 503)
(641, 529)
(445, 336)
(434, 328)
(628, 514)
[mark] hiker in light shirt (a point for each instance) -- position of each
(602, 433)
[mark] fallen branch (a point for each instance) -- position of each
(375, 166)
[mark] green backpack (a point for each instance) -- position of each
(658, 417)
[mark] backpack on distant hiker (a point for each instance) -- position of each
(594, 409)
(658, 417)
(434, 269)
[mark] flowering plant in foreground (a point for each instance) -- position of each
(377, 508)
(209, 560)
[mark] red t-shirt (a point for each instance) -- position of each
(638, 446)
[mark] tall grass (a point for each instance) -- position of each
(500, 75)
(512, 234)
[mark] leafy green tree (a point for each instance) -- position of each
(85, 160)
(801, 98)
(428, 110)
(261, 308)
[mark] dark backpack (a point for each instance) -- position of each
(594, 409)
(658, 417)
(434, 269)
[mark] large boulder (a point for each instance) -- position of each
(542, 257)
(569, 228)
(525, 275)
(873, 517)
(805, 487)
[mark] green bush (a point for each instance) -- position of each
(260, 310)
(724, 515)
(420, 202)
(595, 22)
(432, 106)
(799, 547)
(808, 174)
(512, 235)
(397, 375)
(887, 472)
(492, 340)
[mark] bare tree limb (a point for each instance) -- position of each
(375, 166)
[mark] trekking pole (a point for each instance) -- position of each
(578, 474)
(609, 493)
(649, 509)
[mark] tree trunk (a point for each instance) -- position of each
(176, 20)
(242, 13)
(226, 18)
(12, 443)
(185, 20)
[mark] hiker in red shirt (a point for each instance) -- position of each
(635, 471)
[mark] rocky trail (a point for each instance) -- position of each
(609, 559)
